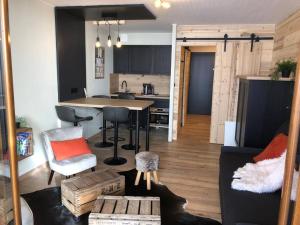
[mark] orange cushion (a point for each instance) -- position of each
(275, 149)
(70, 148)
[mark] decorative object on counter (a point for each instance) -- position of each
(285, 68)
(148, 89)
(99, 63)
(21, 122)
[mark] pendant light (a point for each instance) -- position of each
(109, 37)
(119, 43)
(98, 43)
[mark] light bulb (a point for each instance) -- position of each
(98, 43)
(166, 5)
(157, 3)
(109, 41)
(119, 43)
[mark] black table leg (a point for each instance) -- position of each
(148, 129)
(137, 132)
(130, 145)
(104, 143)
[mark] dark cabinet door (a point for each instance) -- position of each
(121, 59)
(71, 60)
(263, 106)
(162, 59)
(140, 59)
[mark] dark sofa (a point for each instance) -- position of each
(243, 207)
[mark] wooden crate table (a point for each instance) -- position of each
(80, 193)
(125, 210)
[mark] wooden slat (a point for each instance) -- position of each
(133, 207)
(79, 184)
(98, 206)
(145, 208)
(121, 206)
(291, 152)
(108, 207)
(156, 208)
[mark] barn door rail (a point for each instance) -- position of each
(252, 38)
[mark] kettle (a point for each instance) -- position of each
(148, 89)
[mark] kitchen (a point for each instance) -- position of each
(144, 70)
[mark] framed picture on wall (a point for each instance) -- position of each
(99, 63)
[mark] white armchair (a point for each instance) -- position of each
(71, 166)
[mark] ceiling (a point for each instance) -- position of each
(200, 12)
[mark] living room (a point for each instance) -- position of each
(140, 57)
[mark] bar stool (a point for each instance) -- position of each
(115, 115)
(104, 143)
(130, 145)
(68, 114)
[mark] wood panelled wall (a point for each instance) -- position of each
(237, 60)
(287, 38)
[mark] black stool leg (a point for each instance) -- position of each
(104, 143)
(115, 160)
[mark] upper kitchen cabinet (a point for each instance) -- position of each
(162, 59)
(143, 59)
(140, 60)
(121, 59)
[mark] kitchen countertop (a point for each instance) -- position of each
(147, 96)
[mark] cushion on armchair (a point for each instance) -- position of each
(69, 148)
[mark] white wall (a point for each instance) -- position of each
(34, 70)
(96, 86)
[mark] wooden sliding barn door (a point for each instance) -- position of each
(224, 77)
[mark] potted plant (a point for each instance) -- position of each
(20, 122)
(286, 67)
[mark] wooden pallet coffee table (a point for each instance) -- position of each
(129, 210)
(80, 193)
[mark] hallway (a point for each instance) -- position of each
(197, 127)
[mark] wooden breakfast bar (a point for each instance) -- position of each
(134, 105)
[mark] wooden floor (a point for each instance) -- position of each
(189, 166)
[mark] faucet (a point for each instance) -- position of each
(122, 85)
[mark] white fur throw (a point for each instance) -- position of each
(263, 176)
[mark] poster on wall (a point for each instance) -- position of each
(99, 63)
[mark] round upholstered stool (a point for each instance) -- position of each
(146, 162)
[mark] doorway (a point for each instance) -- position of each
(201, 83)
(197, 77)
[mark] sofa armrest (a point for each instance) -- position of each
(241, 150)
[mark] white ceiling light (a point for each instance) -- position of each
(163, 4)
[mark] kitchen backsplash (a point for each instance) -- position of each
(135, 83)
